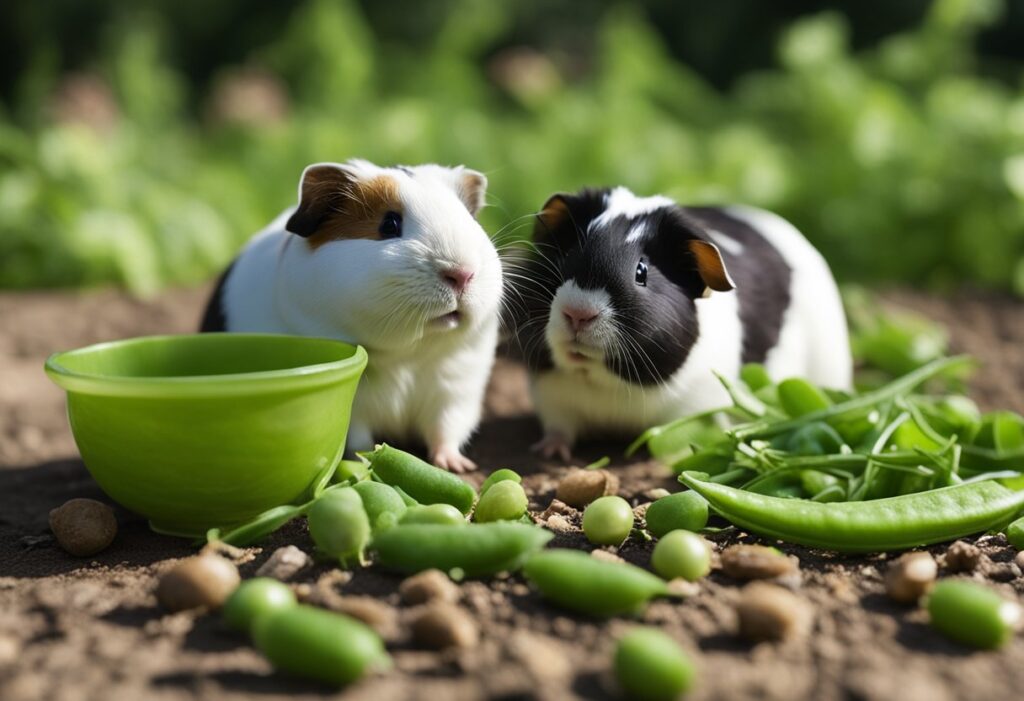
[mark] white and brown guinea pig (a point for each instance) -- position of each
(392, 259)
(632, 303)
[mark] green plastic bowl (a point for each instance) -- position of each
(209, 430)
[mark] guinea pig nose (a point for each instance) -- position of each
(458, 278)
(578, 318)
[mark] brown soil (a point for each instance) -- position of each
(91, 629)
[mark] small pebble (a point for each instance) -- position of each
(911, 577)
(1002, 571)
(1019, 560)
(376, 614)
(656, 493)
(756, 562)
(558, 507)
(605, 556)
(442, 625)
(963, 557)
(558, 523)
(427, 586)
(83, 527)
(204, 580)
(769, 612)
(580, 487)
(284, 563)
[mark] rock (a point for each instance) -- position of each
(83, 527)
(376, 614)
(427, 586)
(202, 581)
(911, 577)
(580, 487)
(769, 612)
(962, 556)
(757, 562)
(441, 625)
(284, 563)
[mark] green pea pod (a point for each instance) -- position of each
(895, 523)
(1015, 533)
(477, 549)
(815, 481)
(260, 527)
(799, 397)
(816, 438)
(442, 514)
(502, 475)
(351, 471)
(972, 614)
(575, 580)
(378, 499)
(339, 525)
(420, 480)
(317, 644)
(683, 510)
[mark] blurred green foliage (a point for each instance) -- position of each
(899, 162)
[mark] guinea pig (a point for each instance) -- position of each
(392, 259)
(632, 304)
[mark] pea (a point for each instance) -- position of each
(1015, 533)
(379, 499)
(502, 475)
(755, 376)
(650, 666)
(318, 644)
(582, 583)
(799, 397)
(972, 614)
(254, 598)
(420, 480)
(608, 520)
(477, 549)
(686, 510)
(443, 514)
(681, 554)
(339, 525)
(504, 501)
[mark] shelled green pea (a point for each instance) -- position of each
(608, 520)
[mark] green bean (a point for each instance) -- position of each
(607, 520)
(441, 514)
(894, 523)
(1015, 533)
(972, 614)
(504, 501)
(339, 524)
(502, 475)
(420, 480)
(477, 549)
(686, 510)
(681, 554)
(318, 644)
(378, 499)
(579, 582)
(254, 598)
(650, 666)
(799, 397)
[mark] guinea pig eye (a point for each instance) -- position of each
(390, 226)
(641, 274)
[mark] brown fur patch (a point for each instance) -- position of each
(711, 266)
(554, 213)
(355, 209)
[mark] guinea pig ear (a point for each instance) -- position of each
(322, 191)
(710, 266)
(471, 187)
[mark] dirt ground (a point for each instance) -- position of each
(91, 629)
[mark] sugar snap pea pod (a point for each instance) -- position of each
(258, 528)
(378, 499)
(443, 514)
(577, 581)
(420, 480)
(799, 397)
(1015, 533)
(477, 549)
(683, 510)
(317, 644)
(972, 614)
(894, 523)
(502, 475)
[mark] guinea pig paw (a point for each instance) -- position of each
(554, 444)
(449, 458)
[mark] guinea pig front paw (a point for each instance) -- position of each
(554, 444)
(449, 458)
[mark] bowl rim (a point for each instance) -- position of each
(228, 384)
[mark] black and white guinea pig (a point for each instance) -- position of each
(630, 303)
(392, 259)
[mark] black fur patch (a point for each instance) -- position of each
(762, 281)
(215, 317)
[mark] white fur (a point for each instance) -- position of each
(426, 378)
(582, 397)
(623, 203)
